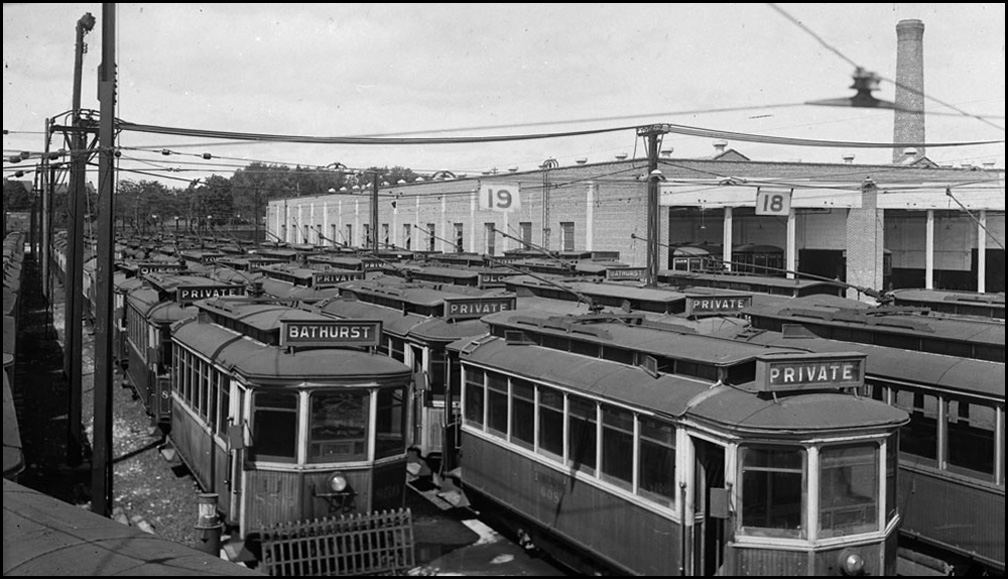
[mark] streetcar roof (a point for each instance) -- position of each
(706, 349)
(732, 408)
(934, 295)
(843, 314)
(260, 362)
(964, 375)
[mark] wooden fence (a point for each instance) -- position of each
(358, 544)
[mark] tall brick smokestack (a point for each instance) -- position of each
(908, 121)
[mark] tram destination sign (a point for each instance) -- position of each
(494, 277)
(810, 371)
(322, 278)
(626, 273)
(716, 305)
(473, 308)
(193, 293)
(159, 267)
(352, 333)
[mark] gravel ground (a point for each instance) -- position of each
(147, 492)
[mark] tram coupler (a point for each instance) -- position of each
(208, 525)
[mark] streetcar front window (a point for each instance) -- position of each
(849, 482)
(390, 427)
(274, 426)
(773, 491)
(338, 428)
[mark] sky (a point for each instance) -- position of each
(492, 69)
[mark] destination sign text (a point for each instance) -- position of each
(356, 333)
(189, 294)
(714, 305)
(809, 371)
(472, 308)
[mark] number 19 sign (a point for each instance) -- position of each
(771, 202)
(500, 197)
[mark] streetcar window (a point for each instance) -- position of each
(656, 470)
(971, 439)
(398, 349)
(214, 393)
(390, 427)
(773, 491)
(338, 426)
(617, 446)
(274, 426)
(522, 413)
(891, 464)
(848, 499)
(474, 396)
(551, 409)
(438, 374)
(497, 404)
(919, 437)
(585, 348)
(621, 355)
(225, 405)
(583, 432)
(947, 347)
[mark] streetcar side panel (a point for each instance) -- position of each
(580, 512)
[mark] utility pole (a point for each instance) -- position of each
(75, 259)
(46, 225)
(548, 164)
(101, 463)
(653, 134)
(374, 212)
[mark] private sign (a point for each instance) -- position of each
(809, 371)
(472, 308)
(709, 305)
(331, 277)
(358, 333)
(190, 294)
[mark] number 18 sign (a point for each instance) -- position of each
(500, 197)
(771, 202)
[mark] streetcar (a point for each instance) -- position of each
(151, 309)
(952, 460)
(908, 328)
(624, 448)
(287, 415)
(952, 302)
(305, 284)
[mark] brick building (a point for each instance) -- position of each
(844, 220)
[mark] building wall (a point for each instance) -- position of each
(606, 202)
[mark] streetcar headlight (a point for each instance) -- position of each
(851, 563)
(337, 482)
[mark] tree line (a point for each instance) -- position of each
(148, 205)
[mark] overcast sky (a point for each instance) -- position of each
(366, 69)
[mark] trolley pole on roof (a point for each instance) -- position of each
(653, 134)
(101, 462)
(73, 342)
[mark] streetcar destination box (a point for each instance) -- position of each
(471, 308)
(716, 305)
(625, 273)
(320, 278)
(193, 293)
(355, 333)
(160, 266)
(810, 371)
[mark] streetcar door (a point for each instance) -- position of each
(709, 535)
(236, 443)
